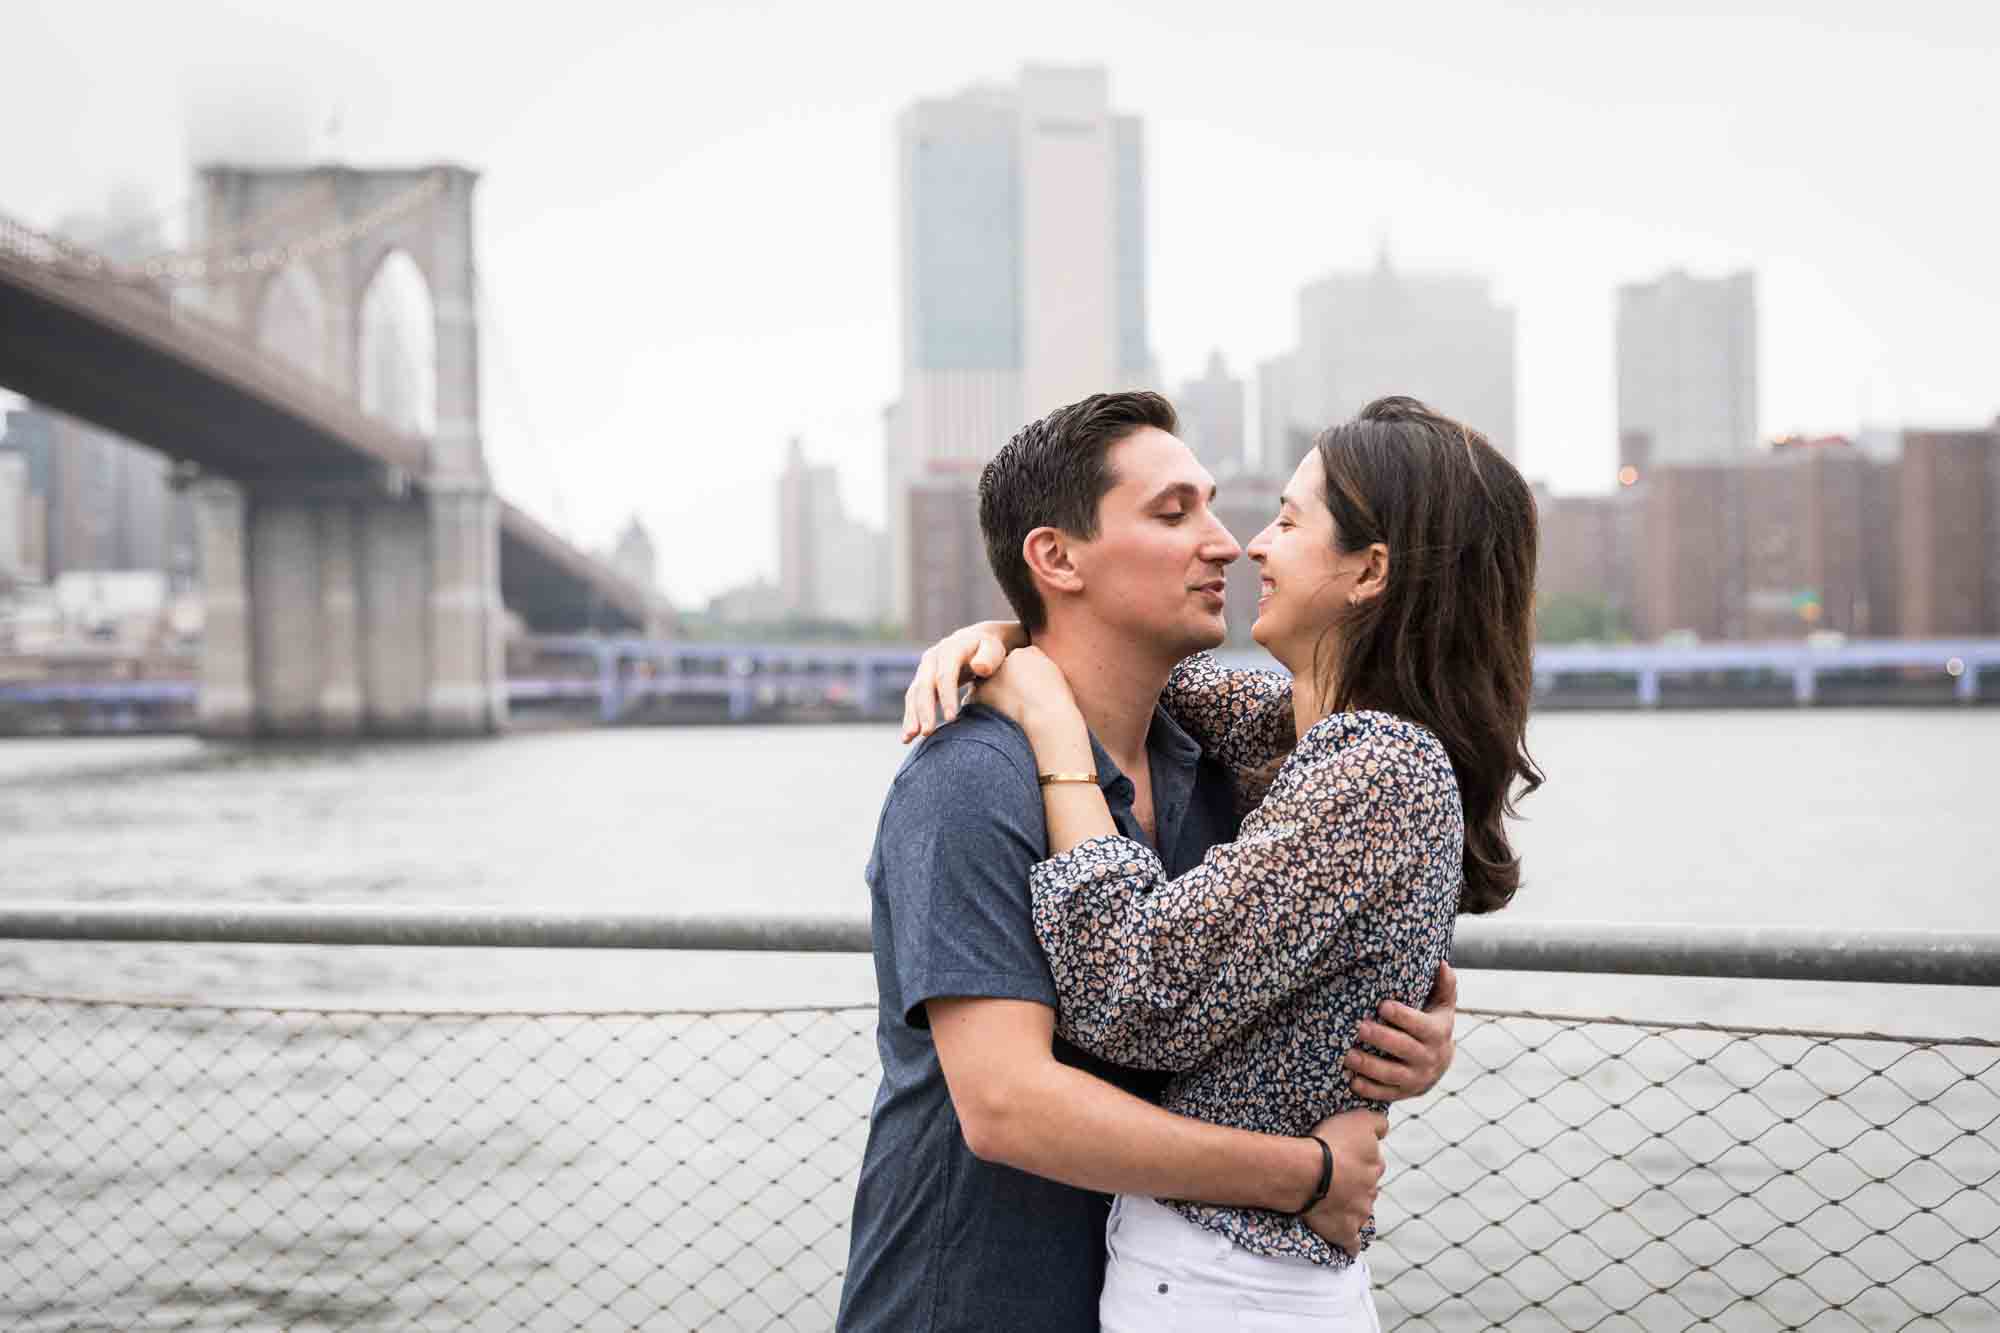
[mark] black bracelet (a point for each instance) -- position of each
(1325, 1177)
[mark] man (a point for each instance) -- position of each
(993, 1144)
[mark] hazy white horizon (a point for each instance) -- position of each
(688, 216)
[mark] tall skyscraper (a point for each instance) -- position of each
(14, 517)
(829, 565)
(26, 455)
(1211, 416)
(1687, 368)
(1440, 337)
(1282, 433)
(1023, 273)
(98, 502)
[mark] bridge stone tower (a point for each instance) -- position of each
(354, 605)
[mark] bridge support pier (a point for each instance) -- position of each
(468, 670)
(223, 707)
(341, 612)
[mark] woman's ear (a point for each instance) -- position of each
(1049, 560)
(1373, 579)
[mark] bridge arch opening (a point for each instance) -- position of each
(397, 352)
(292, 320)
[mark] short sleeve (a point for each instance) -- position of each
(961, 831)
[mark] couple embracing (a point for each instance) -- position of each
(1157, 941)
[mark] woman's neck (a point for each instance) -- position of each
(1313, 692)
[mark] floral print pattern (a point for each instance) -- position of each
(1242, 718)
(1247, 976)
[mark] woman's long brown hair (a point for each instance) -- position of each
(1449, 643)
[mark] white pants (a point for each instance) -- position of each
(1164, 1274)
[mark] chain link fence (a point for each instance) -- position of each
(1596, 1173)
(192, 1167)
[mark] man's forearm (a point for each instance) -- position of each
(1068, 1126)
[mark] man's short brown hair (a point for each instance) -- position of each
(1052, 474)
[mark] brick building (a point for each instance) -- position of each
(1690, 553)
(1813, 535)
(1819, 542)
(1587, 552)
(951, 583)
(1950, 538)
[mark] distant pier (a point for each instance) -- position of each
(603, 681)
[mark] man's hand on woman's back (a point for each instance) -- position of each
(1415, 1045)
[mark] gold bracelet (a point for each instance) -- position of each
(1050, 779)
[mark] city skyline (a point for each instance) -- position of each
(667, 319)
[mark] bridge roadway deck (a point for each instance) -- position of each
(123, 356)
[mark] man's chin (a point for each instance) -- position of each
(1209, 636)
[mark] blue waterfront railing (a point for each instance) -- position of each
(618, 677)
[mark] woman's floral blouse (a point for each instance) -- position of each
(1243, 718)
(1248, 975)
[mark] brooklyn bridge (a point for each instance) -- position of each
(358, 562)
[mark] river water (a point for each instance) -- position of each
(1852, 819)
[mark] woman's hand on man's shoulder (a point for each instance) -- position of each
(958, 659)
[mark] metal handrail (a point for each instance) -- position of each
(1783, 953)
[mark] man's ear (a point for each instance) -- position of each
(1047, 551)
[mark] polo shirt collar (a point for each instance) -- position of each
(1165, 740)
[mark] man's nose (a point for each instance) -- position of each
(1221, 548)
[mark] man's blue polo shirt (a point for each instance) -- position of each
(941, 1240)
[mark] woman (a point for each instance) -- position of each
(1397, 587)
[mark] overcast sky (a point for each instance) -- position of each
(687, 216)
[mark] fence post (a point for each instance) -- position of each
(610, 700)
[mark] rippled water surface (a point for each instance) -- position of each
(1847, 819)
